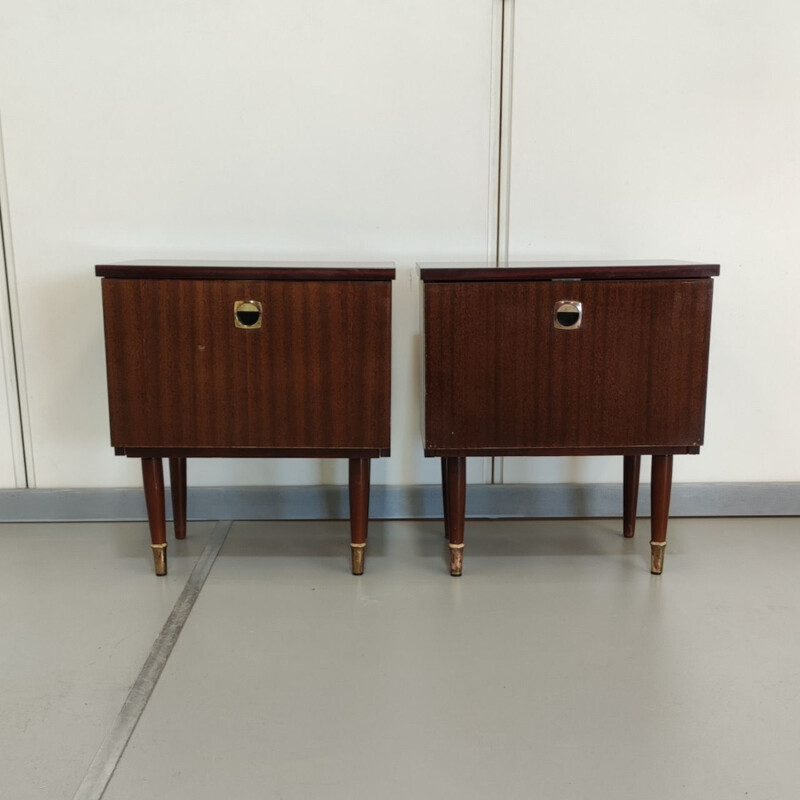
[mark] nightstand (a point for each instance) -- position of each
(566, 359)
(247, 359)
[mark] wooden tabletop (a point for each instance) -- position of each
(565, 270)
(151, 269)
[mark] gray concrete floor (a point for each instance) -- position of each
(556, 667)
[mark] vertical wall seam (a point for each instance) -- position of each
(495, 109)
(7, 304)
(504, 159)
(500, 148)
(11, 387)
(20, 431)
(504, 165)
(495, 150)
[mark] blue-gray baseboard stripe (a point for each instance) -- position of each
(402, 502)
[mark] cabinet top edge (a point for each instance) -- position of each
(249, 270)
(443, 272)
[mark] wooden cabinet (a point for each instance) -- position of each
(255, 359)
(565, 359)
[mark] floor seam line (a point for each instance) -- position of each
(110, 752)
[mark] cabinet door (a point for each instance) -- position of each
(500, 375)
(315, 374)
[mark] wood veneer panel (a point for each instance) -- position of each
(315, 375)
(499, 376)
(245, 270)
(567, 270)
(254, 452)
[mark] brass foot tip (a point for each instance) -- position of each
(160, 558)
(357, 551)
(657, 557)
(456, 559)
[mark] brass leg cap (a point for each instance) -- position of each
(456, 559)
(657, 557)
(160, 558)
(357, 551)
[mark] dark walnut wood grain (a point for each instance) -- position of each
(455, 496)
(500, 378)
(153, 478)
(246, 270)
(252, 452)
(660, 490)
(567, 270)
(315, 376)
(359, 510)
(630, 494)
(177, 477)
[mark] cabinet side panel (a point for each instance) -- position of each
(124, 356)
(500, 375)
(315, 374)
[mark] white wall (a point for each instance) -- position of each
(12, 459)
(295, 130)
(671, 129)
(8, 411)
(349, 130)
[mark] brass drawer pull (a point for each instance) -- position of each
(568, 315)
(247, 314)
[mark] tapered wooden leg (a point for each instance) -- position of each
(359, 510)
(153, 475)
(456, 496)
(177, 477)
(444, 497)
(661, 486)
(630, 494)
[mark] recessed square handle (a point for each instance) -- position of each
(247, 314)
(567, 315)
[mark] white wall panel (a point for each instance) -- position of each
(671, 129)
(8, 409)
(300, 130)
(12, 458)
